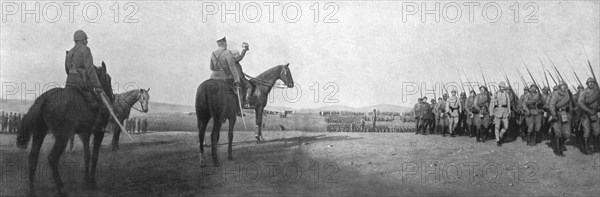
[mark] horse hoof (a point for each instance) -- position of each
(257, 138)
(230, 158)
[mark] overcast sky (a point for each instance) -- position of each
(368, 53)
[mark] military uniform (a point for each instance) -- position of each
(426, 116)
(500, 106)
(481, 114)
(417, 113)
(469, 104)
(589, 103)
(560, 108)
(223, 66)
(532, 105)
(433, 121)
(443, 114)
(453, 107)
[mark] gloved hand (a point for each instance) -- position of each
(245, 46)
(98, 90)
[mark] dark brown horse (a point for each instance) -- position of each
(264, 83)
(65, 112)
(217, 100)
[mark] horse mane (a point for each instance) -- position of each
(269, 71)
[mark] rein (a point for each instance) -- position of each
(265, 83)
(132, 104)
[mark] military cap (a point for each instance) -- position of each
(546, 88)
(555, 88)
(79, 35)
(502, 84)
(425, 98)
(453, 91)
(222, 39)
(580, 87)
(590, 80)
(483, 88)
(533, 86)
(472, 91)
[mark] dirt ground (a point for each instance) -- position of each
(293, 163)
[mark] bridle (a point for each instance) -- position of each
(266, 83)
(135, 101)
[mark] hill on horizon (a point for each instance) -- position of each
(18, 106)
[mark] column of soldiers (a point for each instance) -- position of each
(134, 125)
(536, 115)
(10, 122)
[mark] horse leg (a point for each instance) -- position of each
(230, 137)
(115, 140)
(214, 136)
(38, 140)
(98, 137)
(201, 131)
(60, 144)
(259, 116)
(85, 140)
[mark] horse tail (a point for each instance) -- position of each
(30, 122)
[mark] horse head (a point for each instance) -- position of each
(143, 99)
(105, 80)
(286, 75)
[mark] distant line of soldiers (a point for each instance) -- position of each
(10, 122)
(534, 116)
(134, 125)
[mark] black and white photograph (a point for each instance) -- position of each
(299, 98)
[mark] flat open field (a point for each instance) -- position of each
(313, 163)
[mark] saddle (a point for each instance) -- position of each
(91, 98)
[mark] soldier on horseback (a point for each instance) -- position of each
(79, 65)
(225, 66)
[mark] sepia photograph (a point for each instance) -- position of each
(299, 98)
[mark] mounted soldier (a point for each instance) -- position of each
(223, 64)
(81, 73)
(247, 88)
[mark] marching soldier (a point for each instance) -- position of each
(576, 126)
(2, 122)
(432, 114)
(417, 114)
(426, 116)
(481, 113)
(532, 104)
(139, 125)
(462, 118)
(560, 109)
(443, 111)
(589, 103)
(9, 122)
(437, 112)
(501, 109)
(469, 104)
(521, 117)
(545, 113)
(453, 108)
(145, 125)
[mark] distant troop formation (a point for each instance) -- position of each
(10, 122)
(134, 125)
(535, 116)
